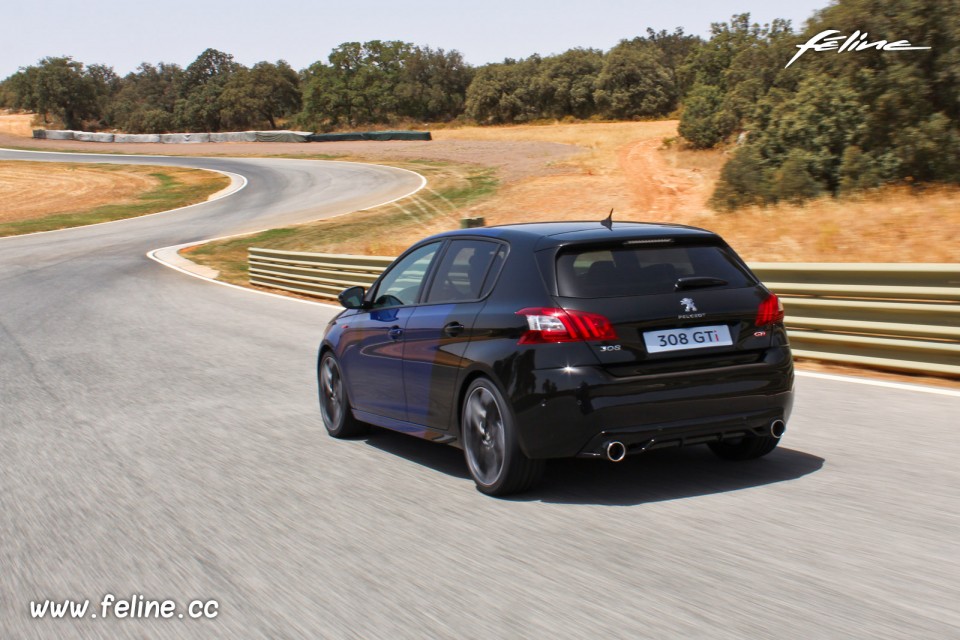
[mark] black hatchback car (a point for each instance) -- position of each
(527, 342)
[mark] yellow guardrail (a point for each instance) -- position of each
(314, 274)
(904, 317)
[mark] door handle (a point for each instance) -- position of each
(395, 332)
(453, 329)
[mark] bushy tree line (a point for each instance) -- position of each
(832, 122)
(371, 83)
(380, 82)
(637, 78)
(213, 93)
(61, 87)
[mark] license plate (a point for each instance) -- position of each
(687, 338)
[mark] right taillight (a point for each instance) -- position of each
(770, 311)
(562, 325)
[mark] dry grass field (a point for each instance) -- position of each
(627, 167)
(32, 190)
(39, 196)
(16, 124)
(582, 170)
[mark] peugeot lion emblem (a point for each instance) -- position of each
(688, 305)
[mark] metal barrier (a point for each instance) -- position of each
(904, 317)
(313, 274)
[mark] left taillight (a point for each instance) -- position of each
(770, 311)
(549, 324)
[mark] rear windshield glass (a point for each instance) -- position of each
(631, 271)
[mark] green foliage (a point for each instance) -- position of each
(505, 93)
(146, 99)
(565, 83)
(383, 81)
(857, 171)
(262, 94)
(833, 122)
(703, 123)
(794, 180)
(199, 107)
(744, 180)
(635, 83)
(63, 89)
(637, 78)
(729, 74)
(433, 85)
(373, 83)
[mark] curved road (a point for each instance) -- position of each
(159, 437)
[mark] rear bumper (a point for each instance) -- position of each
(575, 411)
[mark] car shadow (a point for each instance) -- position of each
(440, 457)
(655, 476)
(663, 475)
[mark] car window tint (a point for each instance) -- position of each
(401, 285)
(462, 271)
(494, 272)
(630, 271)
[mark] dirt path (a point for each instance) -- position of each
(667, 192)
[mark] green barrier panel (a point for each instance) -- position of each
(370, 135)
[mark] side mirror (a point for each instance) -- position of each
(352, 298)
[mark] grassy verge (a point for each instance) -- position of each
(452, 190)
(172, 188)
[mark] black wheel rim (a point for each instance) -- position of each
(483, 433)
(331, 392)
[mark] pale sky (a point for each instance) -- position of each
(124, 33)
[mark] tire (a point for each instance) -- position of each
(490, 445)
(334, 403)
(747, 448)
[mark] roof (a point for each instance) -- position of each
(553, 234)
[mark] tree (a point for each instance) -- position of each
(432, 85)
(147, 99)
(381, 81)
(835, 122)
(676, 48)
(634, 82)
(199, 107)
(505, 93)
(703, 123)
(64, 89)
(265, 92)
(565, 83)
(744, 180)
(740, 64)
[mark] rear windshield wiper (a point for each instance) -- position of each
(698, 282)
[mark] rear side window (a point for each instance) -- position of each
(466, 267)
(631, 271)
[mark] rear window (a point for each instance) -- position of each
(638, 270)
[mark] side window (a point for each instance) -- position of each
(401, 285)
(462, 271)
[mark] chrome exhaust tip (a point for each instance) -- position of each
(777, 428)
(616, 451)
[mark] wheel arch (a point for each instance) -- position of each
(469, 377)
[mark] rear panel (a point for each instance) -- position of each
(673, 304)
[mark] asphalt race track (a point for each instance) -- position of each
(160, 437)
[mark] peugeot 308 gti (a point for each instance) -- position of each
(527, 342)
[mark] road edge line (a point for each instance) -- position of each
(902, 386)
